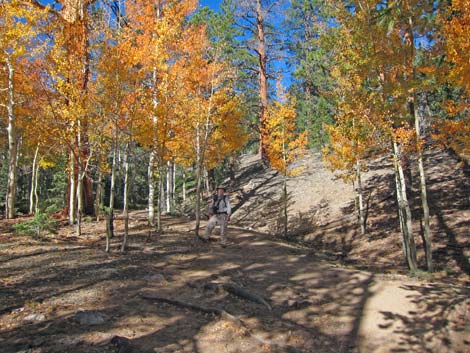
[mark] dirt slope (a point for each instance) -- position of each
(317, 306)
(322, 213)
(315, 196)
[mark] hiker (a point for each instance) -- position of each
(219, 214)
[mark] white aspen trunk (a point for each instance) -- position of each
(168, 187)
(160, 200)
(110, 232)
(360, 197)
(184, 185)
(36, 196)
(151, 185)
(198, 180)
(33, 182)
(126, 197)
(79, 183)
(284, 186)
(79, 203)
(424, 195)
(401, 216)
(173, 186)
(405, 210)
(72, 189)
(99, 194)
(10, 199)
(113, 173)
(206, 181)
(284, 189)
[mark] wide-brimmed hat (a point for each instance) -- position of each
(221, 187)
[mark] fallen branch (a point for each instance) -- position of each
(194, 307)
(223, 314)
(244, 294)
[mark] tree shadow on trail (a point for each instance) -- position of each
(440, 323)
(316, 308)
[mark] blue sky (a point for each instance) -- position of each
(211, 3)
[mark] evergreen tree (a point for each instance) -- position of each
(309, 22)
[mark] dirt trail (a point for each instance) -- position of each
(317, 306)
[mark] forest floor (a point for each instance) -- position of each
(65, 294)
(329, 289)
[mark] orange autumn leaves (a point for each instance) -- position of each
(176, 81)
(455, 41)
(283, 144)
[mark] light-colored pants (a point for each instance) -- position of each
(217, 219)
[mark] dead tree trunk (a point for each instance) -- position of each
(263, 79)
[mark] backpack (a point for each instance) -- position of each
(216, 203)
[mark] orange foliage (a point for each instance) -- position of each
(283, 145)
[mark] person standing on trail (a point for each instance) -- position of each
(219, 214)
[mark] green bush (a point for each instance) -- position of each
(35, 227)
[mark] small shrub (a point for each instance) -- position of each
(421, 275)
(35, 227)
(88, 219)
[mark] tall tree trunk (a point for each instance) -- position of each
(10, 211)
(99, 194)
(112, 191)
(126, 198)
(79, 203)
(419, 141)
(404, 210)
(263, 79)
(36, 195)
(161, 195)
(284, 191)
(80, 176)
(205, 177)
(184, 184)
(33, 192)
(110, 213)
(72, 189)
(424, 195)
(198, 180)
(169, 187)
(360, 200)
(173, 186)
(151, 185)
